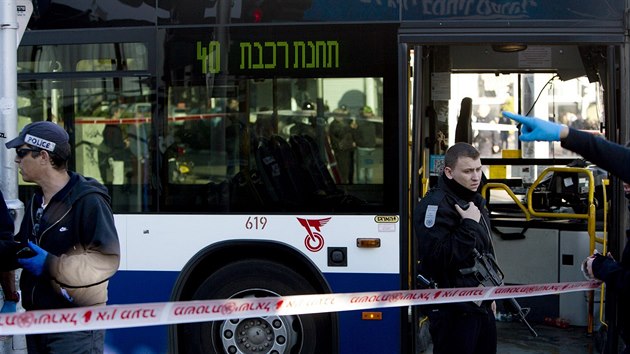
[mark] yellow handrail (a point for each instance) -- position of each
(494, 185)
(591, 193)
(605, 183)
(590, 216)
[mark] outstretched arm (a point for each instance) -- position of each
(611, 272)
(610, 156)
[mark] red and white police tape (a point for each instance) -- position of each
(167, 313)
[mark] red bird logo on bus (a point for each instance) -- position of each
(314, 241)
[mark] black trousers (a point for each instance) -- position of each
(463, 332)
(80, 342)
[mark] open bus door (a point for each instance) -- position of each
(459, 87)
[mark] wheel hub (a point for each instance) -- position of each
(266, 335)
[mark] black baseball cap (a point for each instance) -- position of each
(44, 135)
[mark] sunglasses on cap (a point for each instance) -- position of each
(22, 152)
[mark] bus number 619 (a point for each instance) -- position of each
(256, 222)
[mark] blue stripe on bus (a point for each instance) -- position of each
(356, 335)
(361, 336)
(131, 287)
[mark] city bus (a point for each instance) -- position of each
(211, 123)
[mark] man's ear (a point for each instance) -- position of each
(45, 156)
(448, 172)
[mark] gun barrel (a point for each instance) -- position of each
(529, 327)
(518, 311)
(488, 273)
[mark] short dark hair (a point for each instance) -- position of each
(459, 150)
(56, 160)
(59, 162)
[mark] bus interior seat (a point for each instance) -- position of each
(285, 155)
(271, 163)
(322, 189)
(321, 182)
(464, 133)
(248, 192)
(463, 129)
(294, 174)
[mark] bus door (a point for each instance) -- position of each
(459, 88)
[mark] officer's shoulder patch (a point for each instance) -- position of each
(429, 216)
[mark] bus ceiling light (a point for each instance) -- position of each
(368, 242)
(372, 315)
(509, 47)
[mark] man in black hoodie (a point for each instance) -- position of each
(69, 245)
(614, 158)
(451, 222)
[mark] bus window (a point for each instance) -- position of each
(471, 112)
(84, 57)
(112, 140)
(108, 117)
(574, 102)
(275, 144)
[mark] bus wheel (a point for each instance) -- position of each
(299, 334)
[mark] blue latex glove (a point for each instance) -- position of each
(34, 264)
(534, 129)
(9, 307)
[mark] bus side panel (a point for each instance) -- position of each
(132, 287)
(367, 336)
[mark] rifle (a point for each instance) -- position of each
(488, 273)
(424, 283)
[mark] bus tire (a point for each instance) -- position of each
(303, 334)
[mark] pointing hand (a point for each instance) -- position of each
(535, 129)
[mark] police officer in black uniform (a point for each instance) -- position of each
(450, 223)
